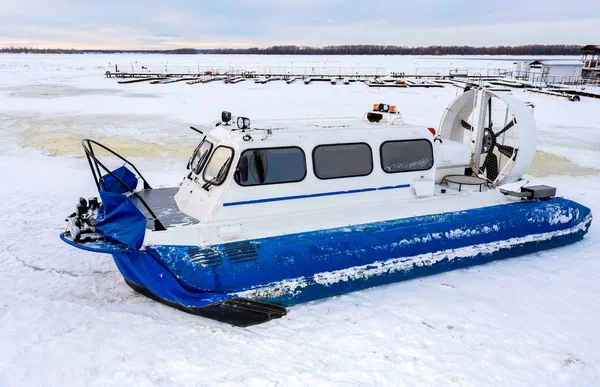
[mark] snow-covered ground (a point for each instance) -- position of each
(67, 317)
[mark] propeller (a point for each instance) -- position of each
(491, 165)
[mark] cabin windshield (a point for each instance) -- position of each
(218, 166)
(200, 156)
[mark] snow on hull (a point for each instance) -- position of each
(399, 269)
(297, 268)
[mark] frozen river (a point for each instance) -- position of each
(68, 318)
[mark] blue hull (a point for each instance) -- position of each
(296, 268)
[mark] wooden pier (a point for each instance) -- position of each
(372, 77)
(555, 93)
(282, 76)
(577, 93)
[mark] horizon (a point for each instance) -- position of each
(269, 49)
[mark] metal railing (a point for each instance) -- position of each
(536, 79)
(96, 166)
(249, 70)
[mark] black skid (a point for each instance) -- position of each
(239, 312)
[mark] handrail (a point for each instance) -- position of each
(89, 152)
(88, 141)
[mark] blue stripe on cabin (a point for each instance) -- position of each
(333, 193)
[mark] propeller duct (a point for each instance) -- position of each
(500, 130)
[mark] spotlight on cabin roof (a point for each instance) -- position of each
(374, 117)
(384, 108)
(225, 117)
(243, 123)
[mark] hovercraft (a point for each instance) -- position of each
(271, 214)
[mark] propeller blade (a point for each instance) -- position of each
(508, 126)
(466, 125)
(490, 124)
(507, 151)
(490, 166)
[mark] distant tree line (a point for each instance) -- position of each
(530, 49)
(32, 50)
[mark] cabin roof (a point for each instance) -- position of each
(284, 132)
(590, 49)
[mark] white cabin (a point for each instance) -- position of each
(270, 159)
(273, 178)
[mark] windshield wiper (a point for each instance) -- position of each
(219, 175)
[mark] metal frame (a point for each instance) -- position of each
(456, 180)
(96, 165)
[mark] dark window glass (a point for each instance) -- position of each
(218, 166)
(200, 156)
(406, 156)
(342, 160)
(271, 166)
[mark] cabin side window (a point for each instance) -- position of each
(200, 156)
(271, 166)
(342, 160)
(406, 156)
(218, 166)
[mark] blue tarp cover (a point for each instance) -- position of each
(145, 271)
(120, 220)
(113, 185)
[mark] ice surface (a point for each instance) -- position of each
(67, 317)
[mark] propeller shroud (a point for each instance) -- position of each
(508, 151)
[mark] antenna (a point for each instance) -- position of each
(196, 130)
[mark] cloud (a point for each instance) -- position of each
(510, 33)
(155, 24)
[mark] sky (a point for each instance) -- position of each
(152, 24)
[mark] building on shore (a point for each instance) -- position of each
(590, 56)
(551, 68)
